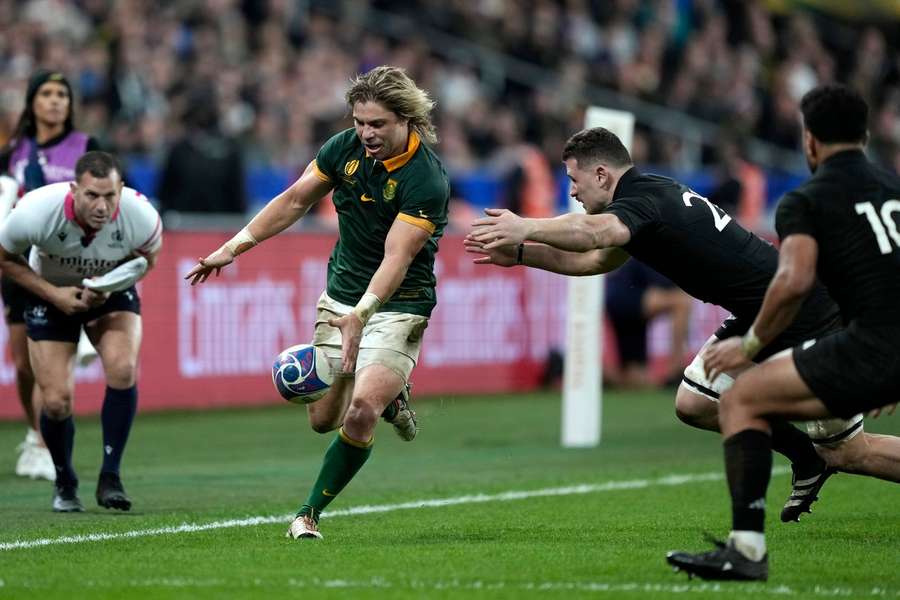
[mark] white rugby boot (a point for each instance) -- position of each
(304, 527)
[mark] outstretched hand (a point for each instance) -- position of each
(723, 356)
(205, 266)
(504, 256)
(351, 336)
(499, 228)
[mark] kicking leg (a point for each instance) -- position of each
(376, 386)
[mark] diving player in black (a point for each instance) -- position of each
(678, 233)
(841, 225)
(702, 250)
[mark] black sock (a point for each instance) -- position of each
(116, 416)
(797, 447)
(60, 439)
(748, 466)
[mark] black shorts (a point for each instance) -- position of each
(15, 300)
(852, 370)
(43, 321)
(800, 331)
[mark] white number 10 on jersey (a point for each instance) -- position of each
(880, 230)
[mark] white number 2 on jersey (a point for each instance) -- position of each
(720, 217)
(880, 230)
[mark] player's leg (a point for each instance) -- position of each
(697, 398)
(327, 413)
(696, 403)
(394, 340)
(51, 350)
(400, 414)
(18, 349)
(376, 386)
(398, 331)
(35, 460)
(865, 454)
(387, 356)
(117, 337)
(773, 390)
(53, 363)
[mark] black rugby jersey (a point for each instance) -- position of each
(852, 208)
(699, 247)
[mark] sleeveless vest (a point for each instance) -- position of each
(57, 161)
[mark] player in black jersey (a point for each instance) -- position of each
(702, 250)
(841, 225)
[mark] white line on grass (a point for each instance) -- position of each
(586, 488)
(520, 587)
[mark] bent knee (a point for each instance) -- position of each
(361, 415)
(121, 374)
(695, 409)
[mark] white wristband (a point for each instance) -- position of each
(242, 242)
(366, 307)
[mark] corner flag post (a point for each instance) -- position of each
(582, 404)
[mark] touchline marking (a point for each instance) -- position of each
(585, 488)
(518, 587)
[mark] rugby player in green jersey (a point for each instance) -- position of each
(391, 194)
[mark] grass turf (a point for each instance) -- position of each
(205, 467)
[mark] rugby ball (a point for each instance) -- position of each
(302, 374)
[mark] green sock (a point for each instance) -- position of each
(343, 459)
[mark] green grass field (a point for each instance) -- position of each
(652, 485)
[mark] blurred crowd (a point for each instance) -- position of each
(270, 74)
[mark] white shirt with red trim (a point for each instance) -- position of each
(63, 252)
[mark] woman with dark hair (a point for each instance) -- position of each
(43, 150)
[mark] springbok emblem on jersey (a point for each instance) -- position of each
(351, 167)
(390, 189)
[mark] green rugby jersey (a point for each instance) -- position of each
(368, 196)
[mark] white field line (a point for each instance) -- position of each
(586, 488)
(519, 587)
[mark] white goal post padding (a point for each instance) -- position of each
(582, 403)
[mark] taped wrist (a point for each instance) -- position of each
(367, 306)
(750, 344)
(241, 242)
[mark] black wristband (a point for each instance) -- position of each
(520, 254)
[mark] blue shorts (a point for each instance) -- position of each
(15, 299)
(43, 321)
